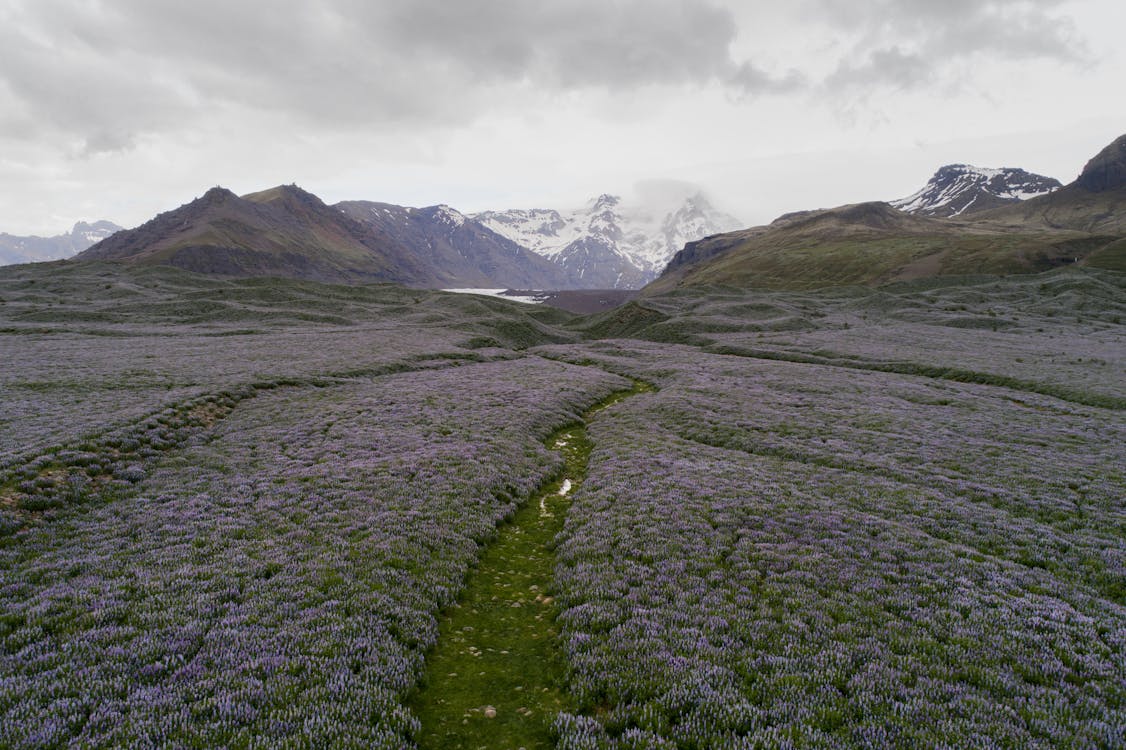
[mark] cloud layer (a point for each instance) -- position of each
(907, 43)
(107, 73)
(144, 103)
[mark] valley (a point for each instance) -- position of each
(851, 479)
(234, 511)
(686, 375)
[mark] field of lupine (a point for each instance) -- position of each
(233, 514)
(277, 584)
(780, 554)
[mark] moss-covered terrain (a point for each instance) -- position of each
(497, 676)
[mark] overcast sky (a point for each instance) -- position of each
(119, 109)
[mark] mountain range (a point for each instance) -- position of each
(33, 249)
(966, 220)
(286, 231)
(871, 243)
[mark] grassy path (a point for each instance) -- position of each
(496, 677)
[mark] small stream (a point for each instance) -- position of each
(496, 678)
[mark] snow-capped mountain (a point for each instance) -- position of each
(32, 249)
(958, 189)
(607, 244)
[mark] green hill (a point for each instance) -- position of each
(873, 243)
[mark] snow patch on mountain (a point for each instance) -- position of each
(447, 215)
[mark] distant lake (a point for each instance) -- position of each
(532, 297)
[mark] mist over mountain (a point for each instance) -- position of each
(33, 249)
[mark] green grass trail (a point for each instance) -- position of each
(496, 678)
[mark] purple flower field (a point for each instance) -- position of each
(278, 585)
(769, 554)
(233, 513)
(68, 386)
(1063, 331)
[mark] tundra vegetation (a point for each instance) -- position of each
(261, 513)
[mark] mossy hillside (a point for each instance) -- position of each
(831, 262)
(1111, 256)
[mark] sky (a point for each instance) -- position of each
(120, 109)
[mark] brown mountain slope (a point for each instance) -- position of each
(284, 231)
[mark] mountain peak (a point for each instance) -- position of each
(956, 189)
(216, 195)
(1107, 170)
(103, 226)
(446, 215)
(289, 192)
(461, 251)
(873, 213)
(697, 205)
(699, 199)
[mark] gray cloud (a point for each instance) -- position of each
(106, 73)
(107, 143)
(902, 44)
(100, 76)
(891, 67)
